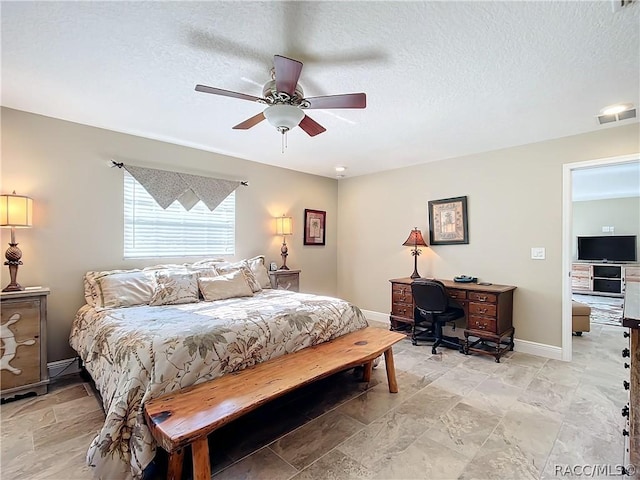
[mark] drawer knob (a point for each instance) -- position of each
(625, 353)
(625, 384)
(482, 310)
(625, 334)
(625, 411)
(482, 299)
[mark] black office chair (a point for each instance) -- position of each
(433, 309)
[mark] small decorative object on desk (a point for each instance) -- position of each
(273, 266)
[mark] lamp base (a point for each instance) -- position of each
(13, 285)
(415, 275)
(284, 251)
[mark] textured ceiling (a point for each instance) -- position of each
(443, 79)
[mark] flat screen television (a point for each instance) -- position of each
(612, 248)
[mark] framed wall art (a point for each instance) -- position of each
(314, 227)
(448, 221)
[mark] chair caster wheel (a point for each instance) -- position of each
(413, 342)
(578, 334)
(434, 351)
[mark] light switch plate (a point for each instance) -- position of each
(538, 253)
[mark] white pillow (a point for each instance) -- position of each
(243, 266)
(172, 288)
(229, 285)
(125, 289)
(257, 266)
(92, 292)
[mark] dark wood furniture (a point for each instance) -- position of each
(488, 312)
(631, 320)
(285, 280)
(23, 362)
(184, 418)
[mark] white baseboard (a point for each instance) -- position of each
(539, 349)
(377, 319)
(63, 367)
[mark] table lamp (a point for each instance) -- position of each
(415, 240)
(284, 227)
(16, 211)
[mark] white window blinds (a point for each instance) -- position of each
(151, 231)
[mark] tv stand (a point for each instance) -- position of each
(601, 278)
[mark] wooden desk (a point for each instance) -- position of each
(488, 312)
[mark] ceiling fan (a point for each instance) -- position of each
(286, 102)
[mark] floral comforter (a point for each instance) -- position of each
(138, 353)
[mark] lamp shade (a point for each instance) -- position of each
(284, 225)
(415, 239)
(283, 117)
(16, 210)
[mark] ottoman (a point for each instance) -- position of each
(580, 314)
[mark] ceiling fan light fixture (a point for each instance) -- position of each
(283, 117)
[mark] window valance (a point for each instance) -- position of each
(166, 187)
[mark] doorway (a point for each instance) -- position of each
(568, 238)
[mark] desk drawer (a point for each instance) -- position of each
(482, 297)
(481, 323)
(485, 309)
(402, 296)
(402, 310)
(457, 294)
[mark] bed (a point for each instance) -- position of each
(138, 352)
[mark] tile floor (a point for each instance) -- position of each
(454, 417)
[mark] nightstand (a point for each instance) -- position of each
(285, 280)
(23, 364)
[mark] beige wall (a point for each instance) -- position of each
(78, 212)
(514, 203)
(622, 213)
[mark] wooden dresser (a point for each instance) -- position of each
(488, 312)
(285, 279)
(631, 320)
(23, 365)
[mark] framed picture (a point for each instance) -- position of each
(448, 221)
(314, 227)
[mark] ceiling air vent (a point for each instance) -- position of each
(620, 4)
(614, 117)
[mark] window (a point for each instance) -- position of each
(151, 231)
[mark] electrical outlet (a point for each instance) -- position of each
(538, 253)
(605, 229)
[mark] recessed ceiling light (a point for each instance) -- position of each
(340, 169)
(617, 108)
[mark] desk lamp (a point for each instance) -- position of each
(16, 211)
(415, 240)
(284, 227)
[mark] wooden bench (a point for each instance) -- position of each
(186, 417)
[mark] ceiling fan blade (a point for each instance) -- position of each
(226, 93)
(310, 126)
(250, 122)
(348, 100)
(287, 73)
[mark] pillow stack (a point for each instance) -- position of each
(214, 279)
